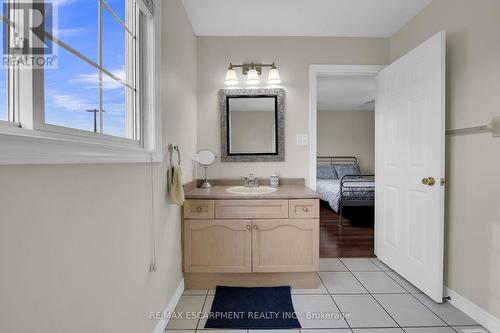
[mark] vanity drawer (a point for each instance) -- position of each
(304, 209)
(199, 209)
(251, 209)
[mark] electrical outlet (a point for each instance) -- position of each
(302, 140)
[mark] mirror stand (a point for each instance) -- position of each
(206, 183)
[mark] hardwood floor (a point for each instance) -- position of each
(354, 240)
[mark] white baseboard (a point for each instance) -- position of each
(480, 315)
(163, 322)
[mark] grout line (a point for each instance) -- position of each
(349, 270)
(413, 295)
(382, 269)
(387, 273)
(202, 307)
(437, 315)
(356, 293)
(338, 307)
(390, 316)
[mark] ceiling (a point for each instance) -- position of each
(343, 18)
(346, 93)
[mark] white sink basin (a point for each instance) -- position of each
(251, 190)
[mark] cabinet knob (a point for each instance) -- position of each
(305, 209)
(249, 227)
(199, 209)
(255, 227)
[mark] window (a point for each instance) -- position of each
(104, 58)
(4, 79)
(94, 87)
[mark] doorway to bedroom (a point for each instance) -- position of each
(345, 161)
(409, 162)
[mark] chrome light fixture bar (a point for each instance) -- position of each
(252, 71)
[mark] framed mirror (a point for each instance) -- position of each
(252, 125)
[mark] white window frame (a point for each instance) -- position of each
(32, 141)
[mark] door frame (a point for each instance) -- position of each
(314, 72)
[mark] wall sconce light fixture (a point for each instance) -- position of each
(252, 71)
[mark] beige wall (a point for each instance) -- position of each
(473, 161)
(348, 133)
(75, 241)
(293, 55)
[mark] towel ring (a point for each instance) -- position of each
(171, 149)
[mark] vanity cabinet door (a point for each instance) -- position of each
(285, 245)
(216, 246)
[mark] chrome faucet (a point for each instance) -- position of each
(250, 181)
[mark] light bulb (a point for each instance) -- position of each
(252, 76)
(231, 78)
(274, 76)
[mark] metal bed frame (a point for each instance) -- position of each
(348, 189)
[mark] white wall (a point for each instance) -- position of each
(473, 161)
(75, 240)
(293, 55)
(348, 133)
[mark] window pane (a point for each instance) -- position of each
(118, 7)
(113, 45)
(114, 105)
(71, 92)
(4, 115)
(77, 25)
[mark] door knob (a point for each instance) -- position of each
(430, 181)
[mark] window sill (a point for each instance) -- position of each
(22, 146)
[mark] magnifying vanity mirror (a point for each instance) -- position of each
(252, 125)
(206, 158)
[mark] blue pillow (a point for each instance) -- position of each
(326, 172)
(347, 170)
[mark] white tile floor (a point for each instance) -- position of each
(373, 298)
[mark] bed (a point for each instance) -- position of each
(340, 183)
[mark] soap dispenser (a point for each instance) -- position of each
(274, 180)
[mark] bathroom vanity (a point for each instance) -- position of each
(251, 240)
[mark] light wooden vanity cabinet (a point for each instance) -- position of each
(251, 236)
(217, 246)
(285, 245)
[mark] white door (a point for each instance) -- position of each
(410, 129)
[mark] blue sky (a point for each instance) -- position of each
(3, 79)
(72, 88)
